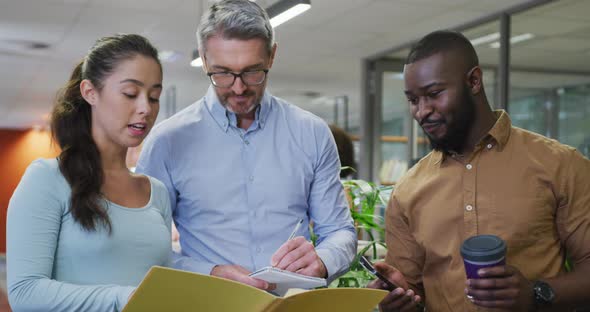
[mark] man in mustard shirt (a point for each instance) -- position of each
(484, 176)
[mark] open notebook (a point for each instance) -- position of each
(165, 289)
(285, 280)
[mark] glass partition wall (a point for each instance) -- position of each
(395, 125)
(541, 78)
(550, 74)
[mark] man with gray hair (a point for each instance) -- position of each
(243, 167)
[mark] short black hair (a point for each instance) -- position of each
(443, 41)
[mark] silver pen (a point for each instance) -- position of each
(297, 226)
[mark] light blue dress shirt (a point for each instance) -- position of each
(237, 194)
(55, 265)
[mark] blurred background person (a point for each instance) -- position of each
(345, 152)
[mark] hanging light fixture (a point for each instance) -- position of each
(279, 13)
(285, 10)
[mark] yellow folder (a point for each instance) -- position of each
(165, 289)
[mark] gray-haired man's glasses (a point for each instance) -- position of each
(227, 79)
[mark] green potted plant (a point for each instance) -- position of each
(365, 199)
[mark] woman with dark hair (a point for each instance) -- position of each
(82, 230)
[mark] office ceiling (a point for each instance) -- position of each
(555, 57)
(319, 52)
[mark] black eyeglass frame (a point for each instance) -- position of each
(210, 74)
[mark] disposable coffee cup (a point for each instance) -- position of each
(482, 251)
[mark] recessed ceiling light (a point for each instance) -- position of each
(523, 37)
(514, 39)
(396, 76)
(18, 44)
(285, 10)
(485, 39)
(169, 56)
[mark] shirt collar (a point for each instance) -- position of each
(500, 132)
(437, 157)
(224, 118)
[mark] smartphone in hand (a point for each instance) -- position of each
(371, 269)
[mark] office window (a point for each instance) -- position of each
(395, 126)
(550, 74)
(483, 38)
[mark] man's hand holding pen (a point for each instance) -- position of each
(298, 255)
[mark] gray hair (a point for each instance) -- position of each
(235, 19)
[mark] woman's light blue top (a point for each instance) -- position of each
(53, 264)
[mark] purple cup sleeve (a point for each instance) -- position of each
(471, 267)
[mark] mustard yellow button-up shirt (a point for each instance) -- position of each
(531, 191)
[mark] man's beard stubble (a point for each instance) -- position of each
(225, 102)
(459, 129)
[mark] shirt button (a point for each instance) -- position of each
(258, 249)
(468, 207)
(489, 146)
(469, 166)
(251, 178)
(247, 142)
